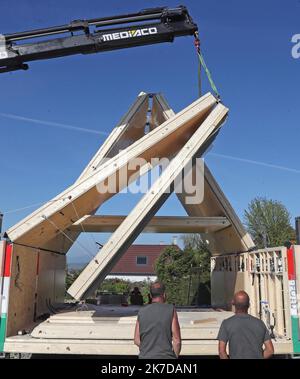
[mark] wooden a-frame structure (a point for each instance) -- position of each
(149, 129)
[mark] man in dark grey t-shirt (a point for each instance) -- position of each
(157, 330)
(244, 333)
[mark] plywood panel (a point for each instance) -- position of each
(21, 306)
(229, 240)
(129, 129)
(160, 111)
(113, 321)
(106, 330)
(115, 347)
(60, 243)
(36, 279)
(232, 239)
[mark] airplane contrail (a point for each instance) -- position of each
(50, 123)
(255, 162)
(209, 153)
(94, 131)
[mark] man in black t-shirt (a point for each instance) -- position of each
(244, 333)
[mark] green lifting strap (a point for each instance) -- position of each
(208, 74)
(199, 79)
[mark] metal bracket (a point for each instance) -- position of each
(79, 25)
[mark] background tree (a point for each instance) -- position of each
(71, 276)
(115, 286)
(268, 222)
(186, 273)
(193, 241)
(199, 282)
(202, 255)
(173, 268)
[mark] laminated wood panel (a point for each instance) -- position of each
(158, 224)
(119, 138)
(232, 239)
(129, 129)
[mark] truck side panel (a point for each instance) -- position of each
(22, 289)
(226, 279)
(51, 281)
(2, 258)
(263, 274)
(4, 288)
(37, 280)
(293, 281)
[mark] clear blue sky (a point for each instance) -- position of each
(247, 46)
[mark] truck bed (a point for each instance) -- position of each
(108, 330)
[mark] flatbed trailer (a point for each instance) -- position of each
(108, 330)
(34, 317)
(88, 329)
(89, 332)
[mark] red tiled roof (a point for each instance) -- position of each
(127, 264)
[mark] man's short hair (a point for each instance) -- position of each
(241, 301)
(157, 289)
